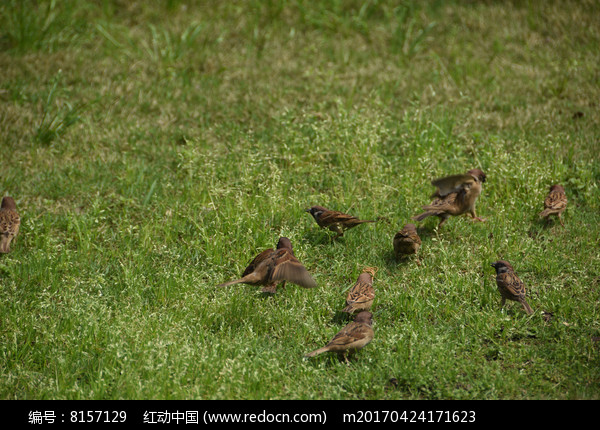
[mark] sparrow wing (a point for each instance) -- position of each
(555, 201)
(331, 217)
(288, 268)
(407, 235)
(251, 275)
(452, 184)
(9, 222)
(361, 292)
(513, 284)
(257, 260)
(440, 205)
(351, 336)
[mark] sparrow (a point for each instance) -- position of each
(555, 203)
(272, 267)
(351, 338)
(407, 242)
(338, 222)
(9, 223)
(455, 195)
(360, 296)
(509, 284)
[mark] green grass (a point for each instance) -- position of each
(154, 148)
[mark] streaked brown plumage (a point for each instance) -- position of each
(509, 284)
(555, 203)
(455, 195)
(9, 223)
(271, 267)
(360, 296)
(351, 338)
(407, 242)
(338, 222)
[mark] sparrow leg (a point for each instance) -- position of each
(337, 229)
(475, 217)
(443, 219)
(561, 221)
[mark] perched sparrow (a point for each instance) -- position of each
(335, 221)
(271, 267)
(361, 295)
(351, 338)
(455, 196)
(9, 223)
(509, 284)
(407, 241)
(555, 203)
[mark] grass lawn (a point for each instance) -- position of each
(155, 147)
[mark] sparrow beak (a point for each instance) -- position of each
(307, 210)
(493, 265)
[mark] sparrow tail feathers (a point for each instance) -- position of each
(317, 352)
(527, 307)
(248, 278)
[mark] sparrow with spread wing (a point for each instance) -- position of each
(271, 267)
(338, 222)
(509, 284)
(455, 195)
(360, 296)
(555, 203)
(351, 338)
(9, 223)
(407, 242)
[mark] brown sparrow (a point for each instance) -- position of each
(271, 267)
(351, 338)
(555, 203)
(335, 221)
(509, 284)
(455, 195)
(407, 242)
(9, 223)
(361, 295)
